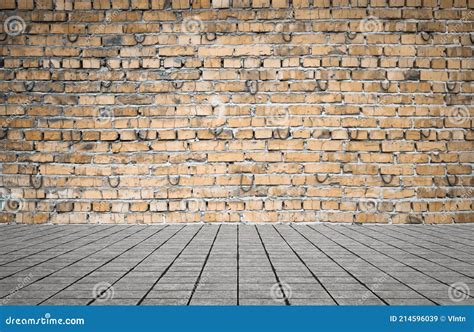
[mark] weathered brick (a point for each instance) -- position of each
(162, 111)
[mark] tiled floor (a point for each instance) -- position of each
(237, 264)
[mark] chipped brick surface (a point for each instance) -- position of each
(225, 111)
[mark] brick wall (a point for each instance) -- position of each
(137, 111)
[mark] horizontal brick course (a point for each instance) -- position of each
(147, 111)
